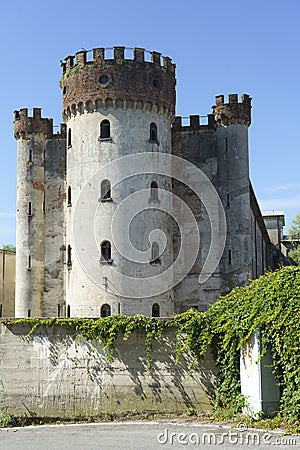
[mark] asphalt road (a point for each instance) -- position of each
(142, 435)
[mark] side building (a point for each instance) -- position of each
(7, 283)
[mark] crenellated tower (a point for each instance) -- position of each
(40, 215)
(232, 120)
(116, 106)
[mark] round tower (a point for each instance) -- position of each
(31, 134)
(232, 120)
(116, 107)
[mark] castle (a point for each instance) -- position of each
(124, 208)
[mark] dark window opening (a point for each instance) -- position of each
(103, 79)
(153, 132)
(69, 196)
(106, 251)
(1, 310)
(105, 190)
(229, 257)
(155, 310)
(154, 191)
(69, 137)
(28, 313)
(68, 311)
(58, 310)
(29, 262)
(105, 129)
(30, 155)
(69, 256)
(105, 310)
(227, 201)
(154, 253)
(226, 144)
(29, 209)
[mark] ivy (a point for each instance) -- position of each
(270, 304)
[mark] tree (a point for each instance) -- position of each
(9, 247)
(294, 230)
(294, 235)
(295, 255)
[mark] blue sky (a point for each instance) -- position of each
(219, 47)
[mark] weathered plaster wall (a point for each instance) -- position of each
(130, 132)
(54, 232)
(53, 374)
(7, 283)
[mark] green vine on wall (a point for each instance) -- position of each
(270, 304)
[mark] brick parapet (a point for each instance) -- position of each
(233, 112)
(118, 82)
(25, 125)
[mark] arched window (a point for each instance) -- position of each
(69, 196)
(155, 310)
(154, 252)
(154, 191)
(105, 310)
(106, 251)
(153, 132)
(105, 129)
(69, 137)
(105, 190)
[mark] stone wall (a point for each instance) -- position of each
(53, 374)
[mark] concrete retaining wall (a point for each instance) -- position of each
(54, 374)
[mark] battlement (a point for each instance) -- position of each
(233, 112)
(118, 77)
(102, 54)
(25, 125)
(195, 123)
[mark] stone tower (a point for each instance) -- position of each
(114, 108)
(40, 216)
(232, 122)
(219, 148)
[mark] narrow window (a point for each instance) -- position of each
(226, 145)
(30, 155)
(154, 191)
(69, 137)
(153, 132)
(69, 196)
(29, 209)
(106, 251)
(69, 256)
(1, 310)
(105, 310)
(28, 313)
(155, 310)
(227, 201)
(229, 257)
(119, 308)
(29, 262)
(68, 311)
(105, 129)
(105, 190)
(154, 252)
(58, 310)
